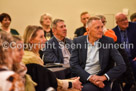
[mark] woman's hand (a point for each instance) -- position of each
(77, 84)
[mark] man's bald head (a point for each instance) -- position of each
(121, 21)
(119, 15)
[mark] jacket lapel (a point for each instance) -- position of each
(101, 51)
(84, 50)
(58, 50)
(118, 34)
(68, 42)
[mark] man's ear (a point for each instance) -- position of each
(81, 20)
(54, 30)
(116, 22)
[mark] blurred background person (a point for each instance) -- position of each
(84, 16)
(107, 32)
(133, 17)
(9, 80)
(5, 21)
(45, 21)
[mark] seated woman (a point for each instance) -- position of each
(45, 21)
(9, 80)
(20, 67)
(34, 40)
(5, 21)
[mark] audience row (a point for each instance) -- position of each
(94, 58)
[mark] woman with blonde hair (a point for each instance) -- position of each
(9, 80)
(20, 67)
(34, 39)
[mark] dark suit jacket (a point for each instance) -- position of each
(52, 52)
(131, 32)
(79, 57)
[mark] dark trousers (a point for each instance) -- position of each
(119, 86)
(91, 87)
(133, 64)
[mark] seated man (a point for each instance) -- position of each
(58, 49)
(126, 32)
(90, 59)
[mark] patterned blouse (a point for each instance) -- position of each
(10, 81)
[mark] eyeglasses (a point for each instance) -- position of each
(122, 20)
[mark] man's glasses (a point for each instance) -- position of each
(122, 20)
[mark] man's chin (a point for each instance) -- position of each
(64, 35)
(100, 36)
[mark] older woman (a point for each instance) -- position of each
(45, 21)
(5, 21)
(33, 39)
(9, 80)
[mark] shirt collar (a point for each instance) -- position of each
(59, 39)
(121, 30)
(96, 42)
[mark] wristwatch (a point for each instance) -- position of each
(69, 84)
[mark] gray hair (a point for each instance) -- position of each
(101, 16)
(91, 19)
(54, 23)
(46, 14)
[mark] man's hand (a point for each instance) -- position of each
(98, 80)
(99, 84)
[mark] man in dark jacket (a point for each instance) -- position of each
(58, 48)
(91, 59)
